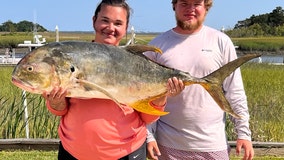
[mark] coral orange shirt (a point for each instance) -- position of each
(100, 129)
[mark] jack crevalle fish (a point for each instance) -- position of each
(123, 74)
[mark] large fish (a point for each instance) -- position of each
(123, 74)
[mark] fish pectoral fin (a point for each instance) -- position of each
(92, 86)
(145, 107)
(218, 95)
(139, 49)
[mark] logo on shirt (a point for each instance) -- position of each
(206, 50)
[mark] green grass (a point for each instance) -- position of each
(269, 44)
(264, 89)
(42, 124)
(264, 85)
(7, 40)
(28, 155)
(52, 155)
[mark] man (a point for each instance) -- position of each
(195, 127)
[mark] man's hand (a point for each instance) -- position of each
(175, 86)
(247, 146)
(153, 150)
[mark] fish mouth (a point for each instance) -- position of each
(25, 86)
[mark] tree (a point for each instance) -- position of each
(276, 17)
(273, 19)
(25, 26)
(9, 26)
(269, 24)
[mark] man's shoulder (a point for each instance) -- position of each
(214, 32)
(162, 37)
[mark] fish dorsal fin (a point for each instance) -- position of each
(139, 49)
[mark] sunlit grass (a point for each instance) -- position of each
(28, 155)
(267, 44)
(52, 155)
(42, 124)
(264, 88)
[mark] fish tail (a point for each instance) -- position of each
(217, 94)
(213, 82)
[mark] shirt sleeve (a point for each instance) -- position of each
(151, 129)
(235, 94)
(147, 118)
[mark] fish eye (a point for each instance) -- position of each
(30, 68)
(72, 68)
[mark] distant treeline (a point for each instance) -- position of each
(22, 26)
(269, 24)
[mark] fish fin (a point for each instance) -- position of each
(141, 106)
(92, 86)
(217, 94)
(230, 67)
(214, 82)
(139, 49)
(144, 107)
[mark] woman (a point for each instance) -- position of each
(99, 128)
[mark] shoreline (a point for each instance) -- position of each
(268, 53)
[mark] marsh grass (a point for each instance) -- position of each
(12, 40)
(42, 124)
(268, 44)
(52, 155)
(28, 155)
(264, 85)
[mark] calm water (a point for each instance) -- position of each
(270, 59)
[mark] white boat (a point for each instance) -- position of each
(38, 39)
(10, 56)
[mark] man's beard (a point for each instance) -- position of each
(185, 25)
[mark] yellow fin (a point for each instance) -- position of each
(217, 94)
(145, 107)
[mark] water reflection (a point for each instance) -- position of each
(269, 59)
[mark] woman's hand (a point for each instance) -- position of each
(56, 98)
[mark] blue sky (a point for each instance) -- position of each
(148, 15)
